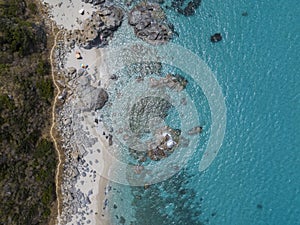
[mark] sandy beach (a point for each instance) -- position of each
(85, 190)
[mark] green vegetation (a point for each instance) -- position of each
(32, 7)
(27, 161)
(17, 32)
(46, 88)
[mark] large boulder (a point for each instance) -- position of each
(91, 98)
(101, 99)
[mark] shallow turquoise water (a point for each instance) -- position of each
(255, 177)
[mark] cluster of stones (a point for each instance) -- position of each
(167, 139)
(189, 9)
(75, 202)
(163, 144)
(171, 81)
(150, 23)
(98, 29)
(76, 84)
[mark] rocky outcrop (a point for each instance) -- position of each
(75, 201)
(164, 143)
(98, 29)
(150, 23)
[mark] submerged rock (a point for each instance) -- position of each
(195, 130)
(186, 8)
(171, 81)
(146, 109)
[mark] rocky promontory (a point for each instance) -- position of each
(98, 29)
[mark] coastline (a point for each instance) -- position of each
(82, 78)
(215, 52)
(77, 194)
(80, 155)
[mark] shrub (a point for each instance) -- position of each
(32, 7)
(45, 88)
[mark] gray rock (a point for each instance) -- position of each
(96, 30)
(101, 99)
(150, 23)
(135, 17)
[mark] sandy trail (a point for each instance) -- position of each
(59, 154)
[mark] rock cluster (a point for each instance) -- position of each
(75, 201)
(97, 29)
(165, 143)
(74, 166)
(189, 9)
(78, 96)
(175, 82)
(150, 23)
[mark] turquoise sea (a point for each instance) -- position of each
(255, 178)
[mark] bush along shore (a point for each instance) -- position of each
(27, 155)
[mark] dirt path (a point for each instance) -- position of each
(59, 153)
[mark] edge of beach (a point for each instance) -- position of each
(65, 19)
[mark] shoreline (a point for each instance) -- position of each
(83, 185)
(80, 197)
(82, 81)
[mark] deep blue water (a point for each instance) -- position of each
(255, 178)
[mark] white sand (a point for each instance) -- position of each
(98, 184)
(100, 161)
(66, 12)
